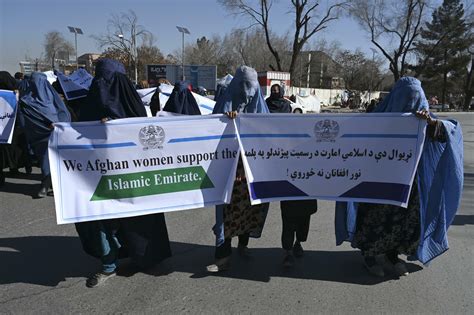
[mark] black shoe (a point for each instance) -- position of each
(28, 170)
(2, 180)
(373, 267)
(298, 250)
(14, 172)
(99, 278)
(288, 261)
(45, 185)
(43, 192)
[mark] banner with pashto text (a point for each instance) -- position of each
(343, 157)
(8, 107)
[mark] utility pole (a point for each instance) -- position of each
(309, 70)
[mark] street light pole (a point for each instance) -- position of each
(182, 30)
(132, 53)
(182, 57)
(76, 31)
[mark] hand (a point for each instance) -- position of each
(51, 126)
(424, 114)
(231, 115)
(103, 120)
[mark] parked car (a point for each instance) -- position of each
(439, 107)
(298, 108)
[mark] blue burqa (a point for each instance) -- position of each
(243, 95)
(182, 101)
(40, 107)
(222, 85)
(439, 174)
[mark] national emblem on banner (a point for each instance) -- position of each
(151, 137)
(326, 130)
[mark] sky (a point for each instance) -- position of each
(24, 23)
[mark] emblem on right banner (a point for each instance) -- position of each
(326, 130)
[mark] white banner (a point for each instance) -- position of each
(345, 157)
(137, 166)
(8, 107)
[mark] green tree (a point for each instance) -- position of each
(443, 49)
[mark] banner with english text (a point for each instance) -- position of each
(344, 157)
(137, 166)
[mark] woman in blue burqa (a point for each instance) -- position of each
(182, 101)
(144, 238)
(40, 107)
(420, 230)
(238, 218)
(14, 155)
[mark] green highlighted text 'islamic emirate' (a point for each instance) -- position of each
(151, 183)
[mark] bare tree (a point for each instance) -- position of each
(306, 24)
(205, 51)
(393, 25)
(54, 43)
(123, 33)
(358, 71)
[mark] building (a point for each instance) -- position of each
(316, 69)
(27, 67)
(267, 78)
(88, 61)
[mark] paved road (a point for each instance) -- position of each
(43, 269)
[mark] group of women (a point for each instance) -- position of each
(377, 230)
(39, 108)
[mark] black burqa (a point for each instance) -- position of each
(182, 101)
(111, 94)
(143, 238)
(155, 105)
(295, 214)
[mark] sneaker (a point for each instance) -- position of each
(400, 269)
(221, 264)
(99, 278)
(288, 261)
(298, 250)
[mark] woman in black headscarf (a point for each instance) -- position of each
(143, 238)
(13, 155)
(182, 101)
(276, 102)
(295, 214)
